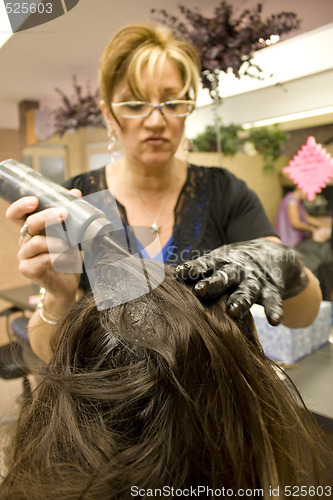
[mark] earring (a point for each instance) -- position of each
(187, 147)
(113, 146)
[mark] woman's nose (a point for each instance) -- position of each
(155, 118)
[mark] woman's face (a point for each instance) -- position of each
(152, 140)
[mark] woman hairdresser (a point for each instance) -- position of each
(148, 83)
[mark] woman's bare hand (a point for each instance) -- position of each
(38, 252)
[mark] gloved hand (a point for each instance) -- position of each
(257, 271)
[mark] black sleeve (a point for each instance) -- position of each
(77, 182)
(243, 214)
(88, 182)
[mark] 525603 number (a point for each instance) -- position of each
(28, 8)
(308, 491)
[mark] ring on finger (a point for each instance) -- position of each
(24, 231)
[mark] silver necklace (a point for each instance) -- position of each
(155, 227)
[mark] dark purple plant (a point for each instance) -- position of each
(80, 111)
(225, 43)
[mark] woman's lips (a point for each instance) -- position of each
(156, 141)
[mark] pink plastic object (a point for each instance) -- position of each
(311, 168)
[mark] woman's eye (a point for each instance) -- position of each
(172, 105)
(134, 106)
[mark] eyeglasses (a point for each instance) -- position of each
(139, 109)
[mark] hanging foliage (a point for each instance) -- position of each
(78, 111)
(269, 142)
(230, 141)
(224, 42)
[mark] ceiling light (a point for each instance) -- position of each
(274, 38)
(269, 41)
(287, 118)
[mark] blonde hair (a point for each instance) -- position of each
(135, 47)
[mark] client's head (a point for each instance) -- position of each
(158, 391)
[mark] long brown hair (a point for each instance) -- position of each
(161, 392)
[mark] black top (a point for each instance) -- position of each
(214, 208)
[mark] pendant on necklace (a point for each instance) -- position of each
(155, 228)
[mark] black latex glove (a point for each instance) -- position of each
(256, 271)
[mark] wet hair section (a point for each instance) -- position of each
(118, 281)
